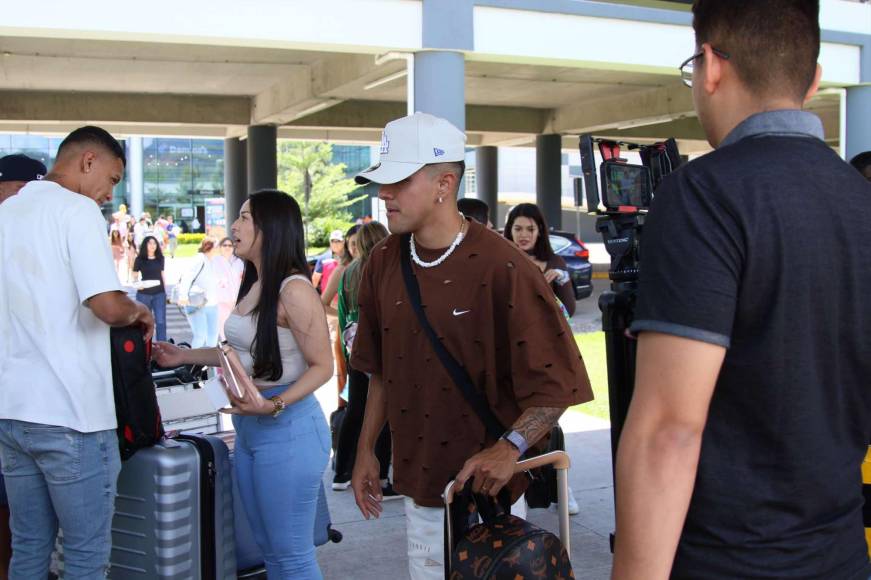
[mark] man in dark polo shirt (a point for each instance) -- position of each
(494, 313)
(741, 453)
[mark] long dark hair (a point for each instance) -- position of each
(278, 221)
(541, 250)
(143, 249)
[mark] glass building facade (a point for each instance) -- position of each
(180, 174)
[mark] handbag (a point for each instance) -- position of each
(502, 546)
(543, 493)
(196, 295)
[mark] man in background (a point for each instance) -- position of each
(15, 171)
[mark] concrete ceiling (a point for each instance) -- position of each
(47, 85)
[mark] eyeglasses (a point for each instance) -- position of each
(686, 69)
(226, 245)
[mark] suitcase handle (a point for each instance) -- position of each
(561, 462)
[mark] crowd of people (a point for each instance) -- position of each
(741, 453)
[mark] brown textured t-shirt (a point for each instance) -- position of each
(497, 316)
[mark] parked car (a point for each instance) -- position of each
(577, 257)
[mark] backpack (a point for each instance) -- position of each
(139, 423)
(503, 547)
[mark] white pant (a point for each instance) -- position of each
(424, 527)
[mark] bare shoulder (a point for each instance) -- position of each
(298, 289)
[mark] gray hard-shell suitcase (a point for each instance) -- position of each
(174, 513)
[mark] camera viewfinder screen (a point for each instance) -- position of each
(626, 185)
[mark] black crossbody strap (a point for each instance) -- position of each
(458, 374)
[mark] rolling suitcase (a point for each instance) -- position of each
(174, 513)
(249, 558)
(505, 547)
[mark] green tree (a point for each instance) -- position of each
(306, 171)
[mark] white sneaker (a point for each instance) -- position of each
(341, 485)
(573, 504)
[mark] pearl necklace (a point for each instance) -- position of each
(444, 256)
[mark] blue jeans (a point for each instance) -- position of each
(157, 304)
(204, 325)
(279, 465)
(55, 475)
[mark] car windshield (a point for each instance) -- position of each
(559, 243)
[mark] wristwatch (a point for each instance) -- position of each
(517, 440)
(280, 405)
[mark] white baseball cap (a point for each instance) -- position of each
(337, 236)
(409, 143)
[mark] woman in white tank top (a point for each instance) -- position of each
(279, 331)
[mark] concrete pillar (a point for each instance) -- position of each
(439, 85)
(136, 176)
(262, 157)
(235, 178)
(548, 173)
(858, 120)
(487, 177)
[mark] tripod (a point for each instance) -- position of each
(621, 233)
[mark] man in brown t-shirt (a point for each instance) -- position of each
(492, 310)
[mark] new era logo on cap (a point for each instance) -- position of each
(409, 143)
(20, 168)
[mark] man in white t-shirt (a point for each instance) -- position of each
(58, 298)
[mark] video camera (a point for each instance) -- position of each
(627, 192)
(626, 188)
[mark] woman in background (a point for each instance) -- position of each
(149, 264)
(198, 296)
(368, 237)
(119, 255)
(526, 227)
(228, 272)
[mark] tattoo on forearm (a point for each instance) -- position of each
(536, 422)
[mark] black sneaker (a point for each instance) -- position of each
(388, 493)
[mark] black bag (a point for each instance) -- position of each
(542, 480)
(542, 488)
(503, 547)
(139, 423)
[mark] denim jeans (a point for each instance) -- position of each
(204, 325)
(279, 465)
(55, 475)
(157, 304)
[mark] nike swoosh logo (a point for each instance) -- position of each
(460, 312)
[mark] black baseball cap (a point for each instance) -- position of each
(20, 168)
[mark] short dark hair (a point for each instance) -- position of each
(92, 135)
(774, 45)
(458, 167)
(861, 161)
(476, 209)
(542, 249)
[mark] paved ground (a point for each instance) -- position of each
(376, 549)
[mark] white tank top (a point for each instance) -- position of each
(240, 331)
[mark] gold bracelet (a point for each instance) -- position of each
(280, 405)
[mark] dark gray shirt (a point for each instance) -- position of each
(762, 247)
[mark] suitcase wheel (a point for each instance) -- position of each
(335, 536)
